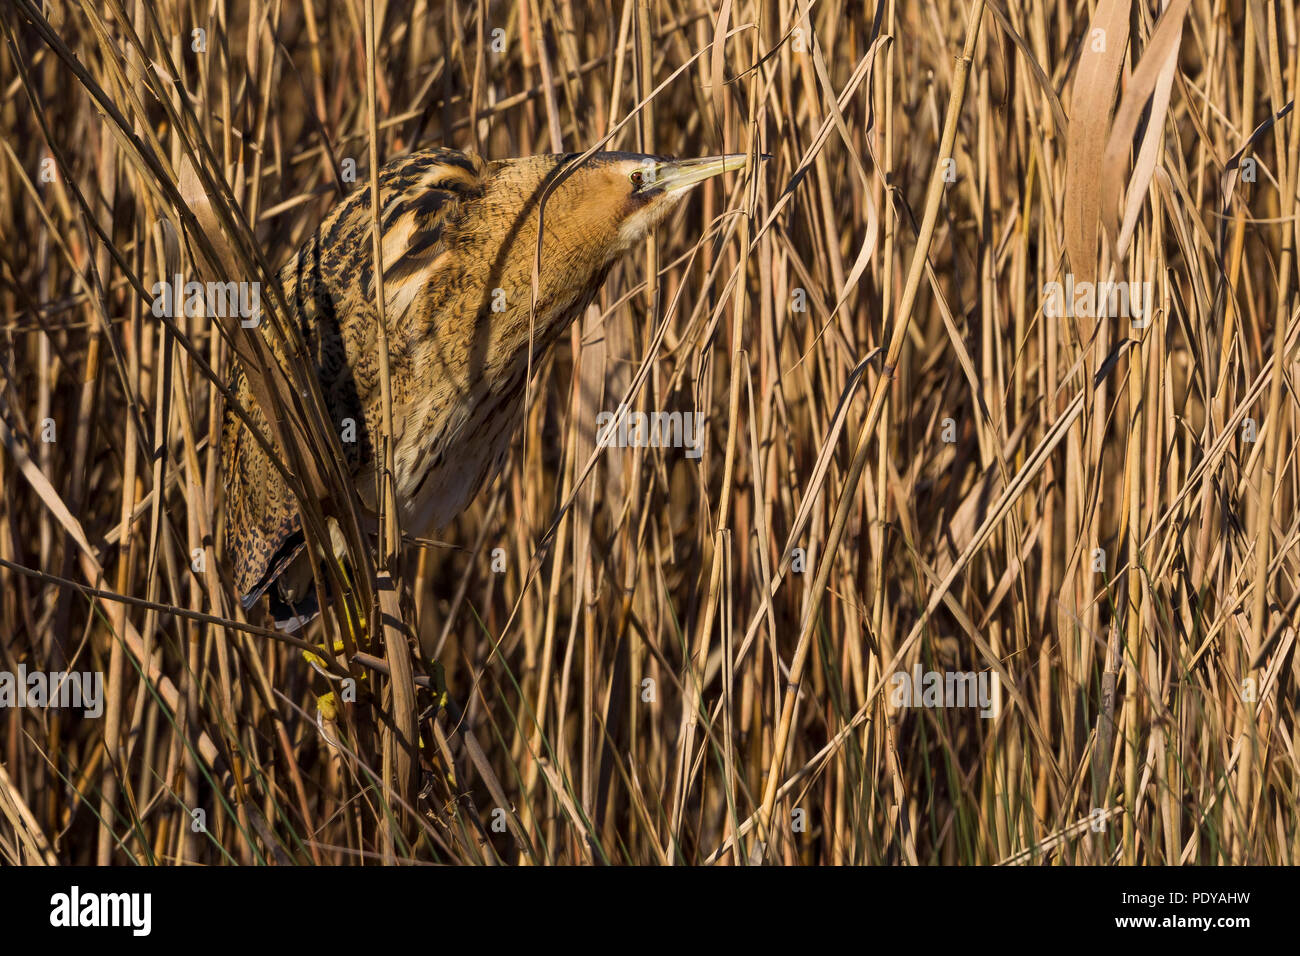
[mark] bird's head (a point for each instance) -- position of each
(633, 193)
(590, 211)
(610, 201)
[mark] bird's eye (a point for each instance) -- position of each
(636, 179)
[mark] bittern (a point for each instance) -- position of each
(459, 238)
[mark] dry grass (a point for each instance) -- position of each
(1075, 504)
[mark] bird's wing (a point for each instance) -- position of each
(261, 517)
(329, 287)
(419, 195)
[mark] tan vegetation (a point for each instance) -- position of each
(628, 654)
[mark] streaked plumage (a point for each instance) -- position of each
(459, 236)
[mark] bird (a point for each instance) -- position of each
(459, 240)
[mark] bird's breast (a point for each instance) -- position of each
(443, 461)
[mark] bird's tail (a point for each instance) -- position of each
(293, 617)
(289, 587)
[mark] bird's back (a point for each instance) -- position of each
(329, 289)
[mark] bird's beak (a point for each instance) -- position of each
(681, 175)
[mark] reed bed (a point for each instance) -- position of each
(912, 458)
